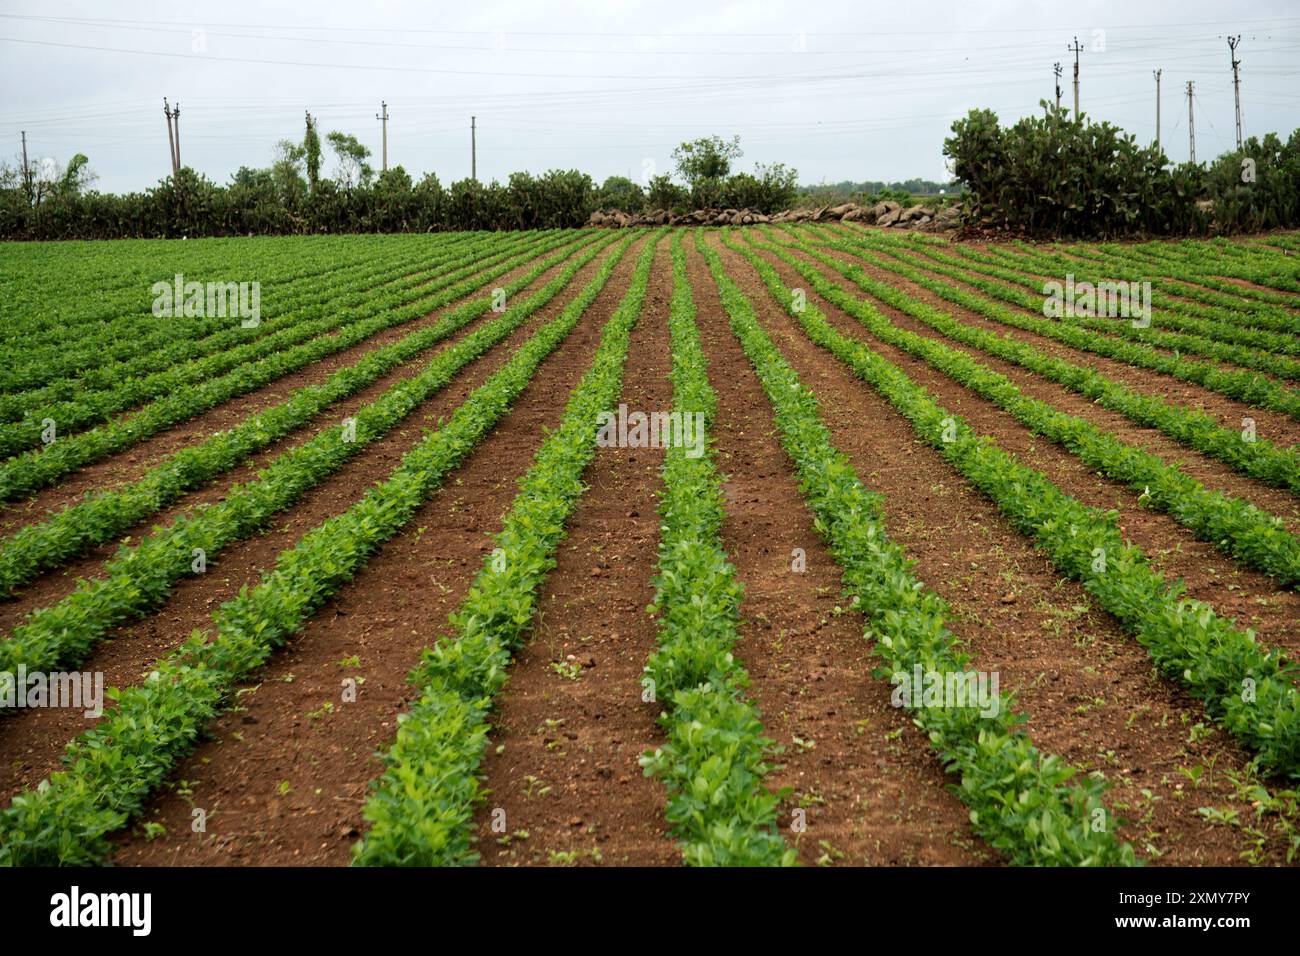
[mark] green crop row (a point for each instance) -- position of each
(33, 470)
(1201, 283)
(1236, 527)
(71, 371)
(51, 354)
(337, 311)
(103, 515)
(1261, 361)
(48, 295)
(1260, 459)
(1026, 804)
(141, 575)
(1241, 385)
(714, 758)
(1231, 323)
(1230, 309)
(1249, 690)
(1275, 272)
(421, 808)
(114, 767)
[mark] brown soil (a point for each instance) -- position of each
(969, 271)
(29, 749)
(1209, 471)
(870, 793)
(1277, 427)
(55, 584)
(284, 776)
(284, 787)
(563, 755)
(1086, 688)
(131, 463)
(1234, 590)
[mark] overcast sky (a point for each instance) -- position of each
(840, 90)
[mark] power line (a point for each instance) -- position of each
(651, 35)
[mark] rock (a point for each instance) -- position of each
(839, 212)
(597, 219)
(822, 214)
(924, 219)
(911, 212)
(889, 217)
(853, 215)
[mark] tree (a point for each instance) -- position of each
(619, 192)
(287, 170)
(311, 153)
(663, 193)
(353, 170)
(709, 157)
(77, 175)
(704, 163)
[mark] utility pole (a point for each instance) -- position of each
(173, 136)
(1076, 48)
(1156, 74)
(1056, 68)
(473, 149)
(1236, 82)
(1191, 128)
(27, 171)
(384, 117)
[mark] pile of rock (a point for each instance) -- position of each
(887, 213)
(662, 217)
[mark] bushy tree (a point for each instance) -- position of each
(619, 192)
(663, 193)
(353, 170)
(703, 164)
(1257, 187)
(1063, 175)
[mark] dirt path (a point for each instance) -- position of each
(285, 780)
(1086, 688)
(1275, 426)
(1233, 589)
(32, 739)
(131, 463)
(863, 774)
(562, 756)
(55, 584)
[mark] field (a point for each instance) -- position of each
(815, 544)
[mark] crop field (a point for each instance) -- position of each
(808, 544)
